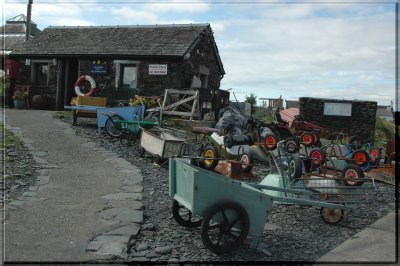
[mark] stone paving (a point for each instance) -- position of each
(120, 218)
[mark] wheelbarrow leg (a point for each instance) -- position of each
(74, 116)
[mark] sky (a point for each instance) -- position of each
(326, 49)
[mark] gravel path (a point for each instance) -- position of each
(293, 233)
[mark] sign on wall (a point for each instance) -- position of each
(158, 69)
(339, 109)
(98, 68)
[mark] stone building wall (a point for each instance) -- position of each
(180, 72)
(361, 122)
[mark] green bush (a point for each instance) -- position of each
(384, 131)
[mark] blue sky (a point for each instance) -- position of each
(329, 49)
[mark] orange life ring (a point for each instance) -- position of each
(92, 85)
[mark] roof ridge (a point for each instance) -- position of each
(132, 26)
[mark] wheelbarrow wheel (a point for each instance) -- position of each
(291, 145)
(140, 151)
(330, 215)
(111, 127)
(156, 159)
(317, 156)
(351, 173)
(374, 155)
(246, 162)
(224, 227)
(126, 139)
(307, 138)
(209, 152)
(295, 166)
(184, 216)
(360, 157)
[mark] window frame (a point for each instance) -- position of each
(34, 72)
(119, 72)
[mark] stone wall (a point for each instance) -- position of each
(361, 122)
(180, 72)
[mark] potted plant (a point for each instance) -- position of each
(19, 98)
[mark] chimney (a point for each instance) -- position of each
(28, 20)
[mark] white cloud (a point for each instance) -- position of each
(177, 6)
(338, 50)
(307, 54)
(134, 16)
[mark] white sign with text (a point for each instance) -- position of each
(158, 69)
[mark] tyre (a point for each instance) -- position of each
(330, 215)
(270, 141)
(317, 157)
(351, 173)
(374, 156)
(360, 157)
(140, 151)
(209, 152)
(246, 162)
(291, 145)
(307, 138)
(295, 167)
(156, 159)
(184, 216)
(126, 139)
(224, 227)
(111, 127)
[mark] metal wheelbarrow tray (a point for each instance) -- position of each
(161, 144)
(230, 209)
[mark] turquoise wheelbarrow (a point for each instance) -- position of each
(226, 210)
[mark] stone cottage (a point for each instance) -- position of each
(122, 60)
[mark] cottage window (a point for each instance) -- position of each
(126, 73)
(40, 74)
(128, 76)
(203, 80)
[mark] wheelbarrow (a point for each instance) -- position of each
(344, 187)
(131, 129)
(160, 143)
(227, 210)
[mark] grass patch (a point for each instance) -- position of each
(9, 138)
(61, 114)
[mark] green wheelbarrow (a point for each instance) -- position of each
(227, 210)
(131, 129)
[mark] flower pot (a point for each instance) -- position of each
(19, 104)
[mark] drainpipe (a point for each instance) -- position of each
(28, 20)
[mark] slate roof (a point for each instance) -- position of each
(12, 34)
(117, 41)
(18, 28)
(173, 40)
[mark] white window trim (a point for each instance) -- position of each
(118, 64)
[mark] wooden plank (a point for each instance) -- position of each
(185, 105)
(179, 103)
(194, 106)
(181, 91)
